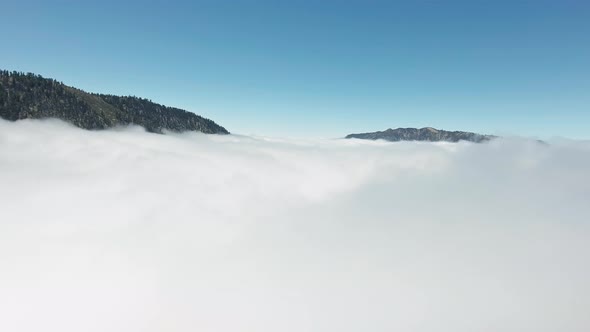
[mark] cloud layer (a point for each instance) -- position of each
(128, 231)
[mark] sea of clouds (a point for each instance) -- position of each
(123, 230)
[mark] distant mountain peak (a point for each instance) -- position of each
(428, 134)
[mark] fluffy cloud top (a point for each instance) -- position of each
(128, 231)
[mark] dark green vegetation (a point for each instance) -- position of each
(29, 96)
(423, 134)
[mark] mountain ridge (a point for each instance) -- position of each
(31, 96)
(428, 134)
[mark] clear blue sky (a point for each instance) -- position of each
(322, 68)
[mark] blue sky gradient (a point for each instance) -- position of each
(322, 68)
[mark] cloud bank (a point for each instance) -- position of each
(128, 231)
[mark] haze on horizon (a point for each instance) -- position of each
(323, 68)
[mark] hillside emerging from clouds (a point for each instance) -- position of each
(30, 96)
(423, 134)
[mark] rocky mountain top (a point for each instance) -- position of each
(423, 134)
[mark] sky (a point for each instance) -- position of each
(322, 68)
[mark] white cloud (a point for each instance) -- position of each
(128, 231)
